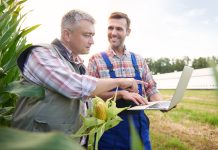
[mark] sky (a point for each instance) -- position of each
(159, 28)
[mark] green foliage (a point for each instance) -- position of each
(162, 65)
(18, 88)
(198, 105)
(12, 43)
(12, 139)
(136, 143)
(200, 63)
(162, 142)
(175, 143)
(95, 127)
(196, 115)
(191, 125)
(165, 65)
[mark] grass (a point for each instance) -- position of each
(167, 142)
(195, 115)
(193, 124)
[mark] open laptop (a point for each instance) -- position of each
(177, 96)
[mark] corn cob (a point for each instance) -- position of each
(100, 110)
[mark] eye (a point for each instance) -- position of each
(88, 35)
(119, 29)
(110, 28)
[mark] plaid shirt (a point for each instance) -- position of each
(123, 67)
(45, 68)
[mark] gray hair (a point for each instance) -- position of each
(73, 17)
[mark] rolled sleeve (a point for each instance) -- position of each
(151, 87)
(88, 86)
(92, 67)
(48, 70)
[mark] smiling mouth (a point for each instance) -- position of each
(114, 39)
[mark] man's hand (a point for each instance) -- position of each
(135, 97)
(107, 84)
(164, 111)
(129, 84)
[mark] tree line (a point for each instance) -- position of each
(166, 65)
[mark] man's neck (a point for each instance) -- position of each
(119, 51)
(69, 50)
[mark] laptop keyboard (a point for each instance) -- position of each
(160, 105)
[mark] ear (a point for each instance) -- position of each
(128, 32)
(66, 35)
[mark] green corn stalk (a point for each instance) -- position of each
(136, 142)
(12, 43)
(95, 125)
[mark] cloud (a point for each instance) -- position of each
(216, 20)
(159, 28)
(196, 12)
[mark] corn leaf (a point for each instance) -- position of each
(91, 142)
(92, 121)
(113, 111)
(112, 123)
(136, 142)
(6, 36)
(89, 123)
(99, 134)
(11, 139)
(28, 30)
(6, 110)
(12, 43)
(7, 13)
(24, 90)
(95, 127)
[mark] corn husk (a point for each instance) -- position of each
(103, 115)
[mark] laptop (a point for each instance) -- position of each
(177, 96)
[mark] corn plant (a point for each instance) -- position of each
(102, 116)
(12, 43)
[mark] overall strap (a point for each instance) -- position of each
(109, 65)
(137, 73)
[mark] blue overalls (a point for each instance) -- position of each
(119, 138)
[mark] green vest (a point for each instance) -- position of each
(52, 112)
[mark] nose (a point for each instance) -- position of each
(113, 32)
(91, 40)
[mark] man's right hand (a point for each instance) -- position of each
(128, 84)
(107, 84)
(135, 97)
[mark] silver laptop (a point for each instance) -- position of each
(177, 96)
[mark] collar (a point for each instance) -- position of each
(112, 53)
(76, 60)
(66, 52)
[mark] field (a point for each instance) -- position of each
(192, 125)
